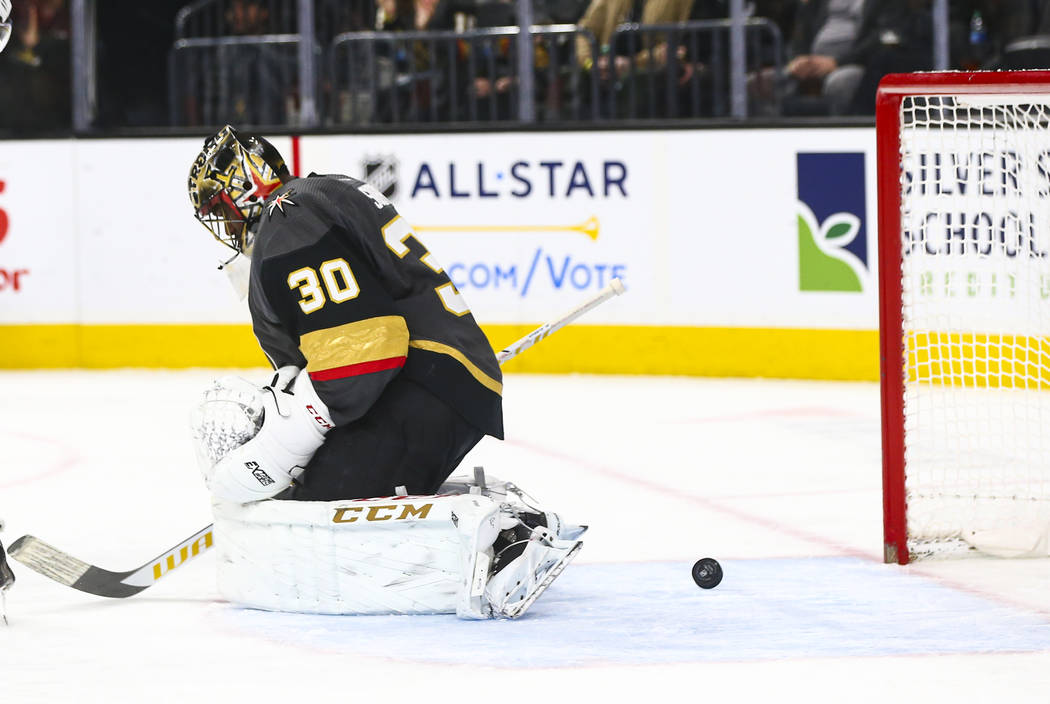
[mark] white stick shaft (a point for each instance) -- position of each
(615, 288)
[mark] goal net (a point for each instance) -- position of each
(964, 260)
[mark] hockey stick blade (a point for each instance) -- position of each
(65, 569)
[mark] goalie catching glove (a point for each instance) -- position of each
(252, 443)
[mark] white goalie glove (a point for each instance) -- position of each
(229, 414)
(5, 22)
(252, 442)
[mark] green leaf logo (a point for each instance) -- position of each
(824, 264)
(840, 230)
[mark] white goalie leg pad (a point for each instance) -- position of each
(400, 555)
(515, 499)
(397, 555)
(479, 522)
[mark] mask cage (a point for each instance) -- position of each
(225, 221)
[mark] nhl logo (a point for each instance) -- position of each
(381, 173)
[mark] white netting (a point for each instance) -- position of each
(976, 306)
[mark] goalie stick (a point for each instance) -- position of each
(615, 288)
(65, 569)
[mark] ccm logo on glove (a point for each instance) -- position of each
(319, 418)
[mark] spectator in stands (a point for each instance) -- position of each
(346, 101)
(822, 73)
(895, 36)
(602, 18)
(615, 61)
(496, 81)
(35, 68)
(558, 11)
(248, 83)
(335, 17)
(246, 17)
(781, 12)
(420, 74)
(981, 30)
(1034, 52)
(408, 15)
(709, 52)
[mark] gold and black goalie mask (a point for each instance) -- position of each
(229, 182)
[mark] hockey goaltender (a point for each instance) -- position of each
(383, 383)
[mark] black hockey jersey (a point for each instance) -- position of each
(341, 286)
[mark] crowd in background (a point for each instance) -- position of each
(827, 62)
(35, 67)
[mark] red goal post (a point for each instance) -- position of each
(963, 232)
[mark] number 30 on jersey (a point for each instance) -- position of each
(334, 280)
(335, 276)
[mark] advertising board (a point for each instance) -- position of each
(743, 251)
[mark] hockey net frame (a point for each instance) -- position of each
(893, 92)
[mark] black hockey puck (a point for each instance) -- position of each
(707, 573)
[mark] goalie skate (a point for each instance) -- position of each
(514, 588)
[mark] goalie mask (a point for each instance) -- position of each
(229, 182)
(5, 22)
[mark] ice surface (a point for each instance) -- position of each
(778, 480)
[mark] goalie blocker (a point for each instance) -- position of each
(476, 550)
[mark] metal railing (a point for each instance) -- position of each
(472, 76)
(715, 86)
(223, 18)
(251, 81)
(660, 71)
(272, 43)
(684, 70)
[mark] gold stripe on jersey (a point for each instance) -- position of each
(367, 340)
(484, 379)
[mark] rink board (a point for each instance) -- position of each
(595, 349)
(734, 265)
